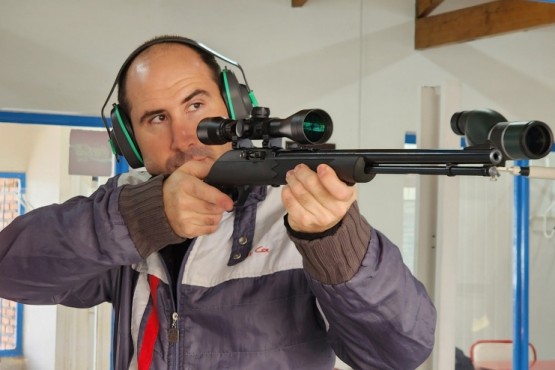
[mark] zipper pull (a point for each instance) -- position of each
(173, 332)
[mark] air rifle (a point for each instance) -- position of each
(492, 140)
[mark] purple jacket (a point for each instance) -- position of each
(252, 295)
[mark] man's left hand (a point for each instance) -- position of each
(316, 201)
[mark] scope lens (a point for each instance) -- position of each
(314, 127)
(522, 140)
(537, 141)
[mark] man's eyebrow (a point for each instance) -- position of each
(194, 94)
(150, 113)
(188, 98)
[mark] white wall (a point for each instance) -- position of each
(14, 142)
(353, 58)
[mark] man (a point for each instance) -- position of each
(285, 279)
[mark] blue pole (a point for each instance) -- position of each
(516, 277)
(525, 270)
(521, 270)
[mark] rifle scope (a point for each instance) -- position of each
(309, 126)
(516, 140)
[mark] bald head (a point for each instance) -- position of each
(157, 51)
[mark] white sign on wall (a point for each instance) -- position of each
(89, 153)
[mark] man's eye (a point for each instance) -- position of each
(194, 107)
(158, 118)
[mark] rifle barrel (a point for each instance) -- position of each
(404, 156)
(434, 170)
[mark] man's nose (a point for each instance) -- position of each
(184, 135)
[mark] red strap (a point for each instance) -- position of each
(151, 331)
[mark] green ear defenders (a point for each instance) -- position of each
(238, 98)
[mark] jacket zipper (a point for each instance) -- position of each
(173, 331)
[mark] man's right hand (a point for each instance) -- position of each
(193, 208)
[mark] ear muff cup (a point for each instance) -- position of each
(236, 96)
(123, 139)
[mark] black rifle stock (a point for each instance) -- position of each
(260, 166)
(493, 142)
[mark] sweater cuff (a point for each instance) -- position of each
(335, 259)
(142, 209)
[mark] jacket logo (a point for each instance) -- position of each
(260, 249)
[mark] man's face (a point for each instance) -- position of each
(170, 90)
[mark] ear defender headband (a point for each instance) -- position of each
(238, 98)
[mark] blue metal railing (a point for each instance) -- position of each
(521, 263)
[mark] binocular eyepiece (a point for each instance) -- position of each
(515, 140)
(309, 126)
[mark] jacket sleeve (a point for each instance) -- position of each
(66, 253)
(379, 315)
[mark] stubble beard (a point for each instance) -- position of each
(182, 157)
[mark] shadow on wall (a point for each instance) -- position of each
(380, 50)
(493, 78)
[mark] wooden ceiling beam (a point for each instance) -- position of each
(298, 3)
(425, 7)
(483, 20)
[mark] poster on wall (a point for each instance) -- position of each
(89, 153)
